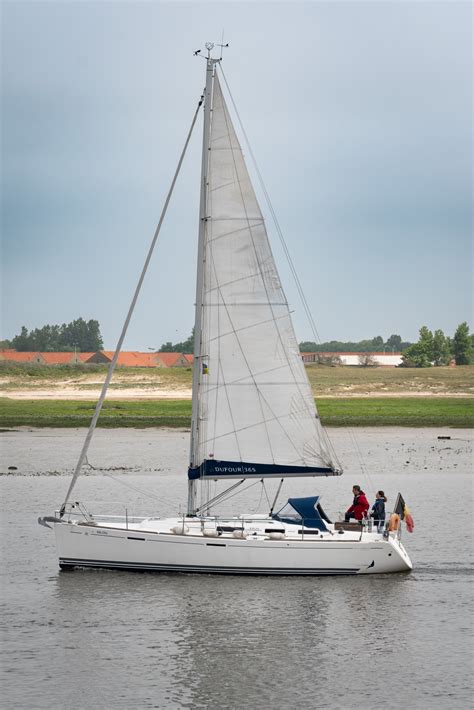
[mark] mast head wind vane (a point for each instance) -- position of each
(209, 47)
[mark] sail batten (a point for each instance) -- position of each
(254, 399)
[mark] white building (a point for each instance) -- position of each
(385, 359)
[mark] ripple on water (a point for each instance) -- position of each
(96, 638)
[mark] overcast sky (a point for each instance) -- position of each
(359, 114)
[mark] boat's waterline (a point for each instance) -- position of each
(162, 549)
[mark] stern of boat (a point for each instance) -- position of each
(389, 555)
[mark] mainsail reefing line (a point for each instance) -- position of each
(254, 415)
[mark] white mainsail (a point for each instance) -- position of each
(255, 404)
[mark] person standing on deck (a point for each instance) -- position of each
(359, 507)
(378, 510)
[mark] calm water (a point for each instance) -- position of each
(108, 639)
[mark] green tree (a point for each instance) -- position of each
(93, 339)
(186, 346)
(362, 346)
(394, 343)
(81, 335)
(307, 346)
(462, 346)
(45, 339)
(167, 347)
(20, 342)
(78, 335)
(421, 353)
(441, 349)
(426, 341)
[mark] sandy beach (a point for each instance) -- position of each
(66, 393)
(71, 393)
(176, 383)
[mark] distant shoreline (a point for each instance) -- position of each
(161, 397)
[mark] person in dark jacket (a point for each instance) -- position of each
(378, 510)
(359, 507)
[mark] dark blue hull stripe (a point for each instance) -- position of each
(111, 564)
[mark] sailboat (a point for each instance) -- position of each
(253, 412)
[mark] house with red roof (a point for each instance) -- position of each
(37, 358)
(172, 359)
(29, 358)
(102, 357)
(125, 359)
(59, 358)
(137, 359)
(83, 357)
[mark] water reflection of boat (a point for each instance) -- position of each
(253, 415)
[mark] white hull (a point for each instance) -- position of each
(155, 547)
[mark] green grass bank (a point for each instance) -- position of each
(354, 411)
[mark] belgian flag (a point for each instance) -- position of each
(403, 511)
(400, 507)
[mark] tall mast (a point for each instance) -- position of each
(198, 359)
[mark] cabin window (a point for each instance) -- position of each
(289, 512)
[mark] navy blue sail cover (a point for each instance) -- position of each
(303, 511)
(211, 468)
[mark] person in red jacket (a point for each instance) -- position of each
(359, 507)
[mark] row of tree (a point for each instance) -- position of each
(374, 345)
(377, 344)
(78, 335)
(186, 346)
(438, 349)
(431, 348)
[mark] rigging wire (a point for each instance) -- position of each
(113, 363)
(146, 494)
(262, 491)
(257, 507)
(254, 483)
(265, 491)
(363, 466)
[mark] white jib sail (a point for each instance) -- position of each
(255, 401)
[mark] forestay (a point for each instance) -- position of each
(257, 415)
